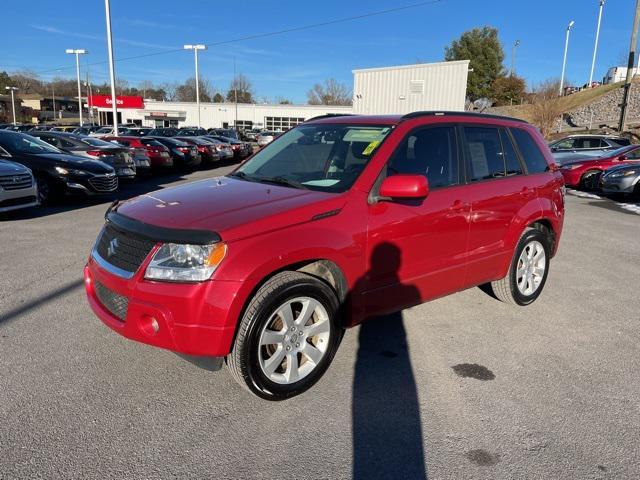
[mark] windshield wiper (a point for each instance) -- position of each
(243, 176)
(283, 181)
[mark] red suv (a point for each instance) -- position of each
(338, 220)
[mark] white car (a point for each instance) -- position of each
(265, 138)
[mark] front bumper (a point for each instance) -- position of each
(16, 199)
(187, 318)
(93, 185)
(571, 177)
(618, 184)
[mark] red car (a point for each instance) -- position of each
(585, 173)
(338, 220)
(158, 154)
(207, 149)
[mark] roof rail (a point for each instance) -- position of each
(436, 113)
(329, 115)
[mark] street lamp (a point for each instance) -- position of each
(564, 60)
(513, 56)
(112, 68)
(595, 47)
(13, 102)
(195, 49)
(77, 52)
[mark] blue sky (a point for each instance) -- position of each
(288, 65)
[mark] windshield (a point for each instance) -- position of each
(96, 142)
(323, 157)
(21, 143)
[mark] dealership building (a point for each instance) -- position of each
(388, 90)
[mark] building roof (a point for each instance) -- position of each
(415, 65)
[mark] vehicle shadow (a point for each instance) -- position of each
(387, 430)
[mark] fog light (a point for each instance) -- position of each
(149, 325)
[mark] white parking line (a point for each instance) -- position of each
(582, 194)
(632, 207)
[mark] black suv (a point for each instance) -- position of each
(56, 172)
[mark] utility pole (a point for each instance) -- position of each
(53, 91)
(630, 64)
(112, 68)
(513, 57)
(595, 47)
(235, 93)
(195, 49)
(13, 102)
(77, 52)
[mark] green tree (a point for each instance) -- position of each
(240, 86)
(5, 81)
(218, 98)
(508, 89)
(483, 49)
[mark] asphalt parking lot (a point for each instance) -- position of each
(462, 387)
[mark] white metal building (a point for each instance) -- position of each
(618, 74)
(223, 115)
(409, 88)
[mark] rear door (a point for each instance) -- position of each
(497, 190)
(416, 249)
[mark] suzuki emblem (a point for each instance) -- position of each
(113, 246)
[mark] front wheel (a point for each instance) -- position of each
(528, 271)
(45, 190)
(591, 180)
(287, 337)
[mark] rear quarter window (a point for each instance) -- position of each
(531, 153)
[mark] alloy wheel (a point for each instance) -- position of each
(531, 268)
(294, 340)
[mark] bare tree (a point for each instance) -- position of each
(27, 81)
(546, 106)
(170, 90)
(330, 93)
(242, 87)
(187, 91)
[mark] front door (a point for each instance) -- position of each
(416, 249)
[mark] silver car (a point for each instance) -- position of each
(17, 187)
(624, 179)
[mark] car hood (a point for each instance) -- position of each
(74, 161)
(231, 207)
(628, 165)
(11, 168)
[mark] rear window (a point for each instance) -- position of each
(531, 154)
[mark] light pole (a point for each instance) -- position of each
(564, 60)
(595, 46)
(513, 57)
(77, 52)
(13, 102)
(112, 68)
(195, 49)
(632, 61)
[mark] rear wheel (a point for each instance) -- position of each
(528, 270)
(590, 180)
(287, 337)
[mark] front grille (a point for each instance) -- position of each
(16, 182)
(117, 304)
(103, 183)
(13, 202)
(123, 250)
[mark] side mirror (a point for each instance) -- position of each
(404, 187)
(622, 157)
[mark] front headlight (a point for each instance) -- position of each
(571, 167)
(623, 173)
(71, 171)
(185, 263)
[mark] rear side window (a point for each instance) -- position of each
(484, 150)
(431, 152)
(531, 154)
(511, 161)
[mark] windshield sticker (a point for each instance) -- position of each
(371, 147)
(327, 182)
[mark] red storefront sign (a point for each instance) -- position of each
(104, 101)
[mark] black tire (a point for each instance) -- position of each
(46, 191)
(506, 289)
(244, 362)
(590, 180)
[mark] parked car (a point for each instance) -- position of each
(224, 149)
(585, 173)
(240, 149)
(64, 128)
(19, 128)
(350, 218)
(265, 138)
(146, 155)
(224, 132)
(86, 130)
(17, 186)
(564, 149)
(108, 131)
(159, 155)
(56, 172)
(191, 132)
(118, 157)
(622, 179)
(183, 154)
(138, 131)
(163, 132)
(206, 148)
